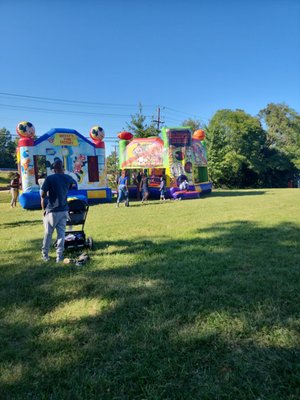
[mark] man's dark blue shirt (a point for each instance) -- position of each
(57, 187)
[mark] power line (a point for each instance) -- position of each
(68, 102)
(39, 109)
(182, 112)
(78, 102)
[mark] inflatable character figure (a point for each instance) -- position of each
(79, 163)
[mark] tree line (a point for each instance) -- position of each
(244, 151)
(261, 151)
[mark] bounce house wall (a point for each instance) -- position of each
(202, 174)
(78, 157)
(142, 153)
(178, 141)
(176, 154)
(81, 159)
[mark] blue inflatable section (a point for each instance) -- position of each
(32, 200)
(205, 188)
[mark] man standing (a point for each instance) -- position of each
(55, 187)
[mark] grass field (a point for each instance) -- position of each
(5, 178)
(183, 300)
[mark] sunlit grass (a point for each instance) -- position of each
(182, 300)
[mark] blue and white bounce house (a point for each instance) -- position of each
(82, 158)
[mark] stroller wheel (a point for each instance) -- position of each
(89, 243)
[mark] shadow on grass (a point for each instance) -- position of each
(16, 224)
(214, 317)
(234, 193)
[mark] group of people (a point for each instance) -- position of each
(141, 182)
(55, 189)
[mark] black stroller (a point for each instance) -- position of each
(75, 238)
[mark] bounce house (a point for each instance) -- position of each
(179, 154)
(83, 159)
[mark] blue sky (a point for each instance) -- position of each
(105, 57)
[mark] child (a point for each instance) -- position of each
(14, 189)
(162, 188)
(184, 185)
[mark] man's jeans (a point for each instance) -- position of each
(52, 221)
(122, 192)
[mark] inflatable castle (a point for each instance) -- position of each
(82, 158)
(178, 154)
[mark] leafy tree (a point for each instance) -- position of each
(7, 150)
(283, 139)
(138, 127)
(278, 168)
(193, 123)
(112, 168)
(235, 149)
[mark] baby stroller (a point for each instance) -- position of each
(75, 238)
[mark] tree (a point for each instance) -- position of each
(283, 138)
(138, 127)
(235, 149)
(194, 124)
(7, 150)
(112, 168)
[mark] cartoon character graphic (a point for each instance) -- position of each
(97, 133)
(26, 129)
(79, 163)
(145, 154)
(199, 154)
(139, 154)
(177, 169)
(25, 165)
(156, 154)
(188, 153)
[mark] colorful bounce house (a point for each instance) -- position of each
(178, 154)
(83, 159)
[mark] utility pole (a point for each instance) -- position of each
(158, 120)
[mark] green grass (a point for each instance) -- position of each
(183, 300)
(5, 178)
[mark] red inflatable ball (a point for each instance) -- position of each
(199, 134)
(125, 135)
(97, 133)
(25, 130)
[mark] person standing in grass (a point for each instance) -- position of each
(14, 189)
(136, 178)
(144, 187)
(162, 188)
(55, 188)
(122, 189)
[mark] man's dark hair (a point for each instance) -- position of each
(57, 165)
